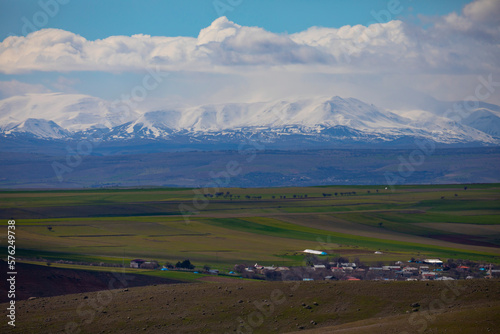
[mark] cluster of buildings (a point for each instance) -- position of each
(412, 270)
(428, 269)
(258, 269)
(144, 264)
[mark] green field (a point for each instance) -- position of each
(256, 225)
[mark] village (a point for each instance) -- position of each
(416, 270)
(320, 267)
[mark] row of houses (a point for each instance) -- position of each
(258, 269)
(428, 269)
(144, 264)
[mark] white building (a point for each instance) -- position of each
(348, 264)
(315, 252)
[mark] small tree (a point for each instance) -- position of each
(272, 275)
(311, 259)
(186, 264)
(206, 267)
(49, 228)
(239, 268)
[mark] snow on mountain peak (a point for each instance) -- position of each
(72, 112)
(61, 116)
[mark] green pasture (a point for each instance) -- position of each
(185, 276)
(222, 231)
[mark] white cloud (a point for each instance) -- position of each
(226, 46)
(59, 50)
(486, 11)
(443, 59)
(218, 31)
(479, 20)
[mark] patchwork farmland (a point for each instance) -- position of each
(222, 227)
(78, 245)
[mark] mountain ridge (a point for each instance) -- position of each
(313, 119)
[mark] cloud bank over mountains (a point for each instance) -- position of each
(438, 57)
(393, 46)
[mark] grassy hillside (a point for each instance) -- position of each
(270, 307)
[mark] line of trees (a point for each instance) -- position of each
(227, 194)
(350, 193)
(186, 264)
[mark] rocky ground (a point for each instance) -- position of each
(470, 306)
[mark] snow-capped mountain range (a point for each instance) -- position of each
(58, 116)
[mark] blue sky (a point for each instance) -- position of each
(97, 19)
(260, 50)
